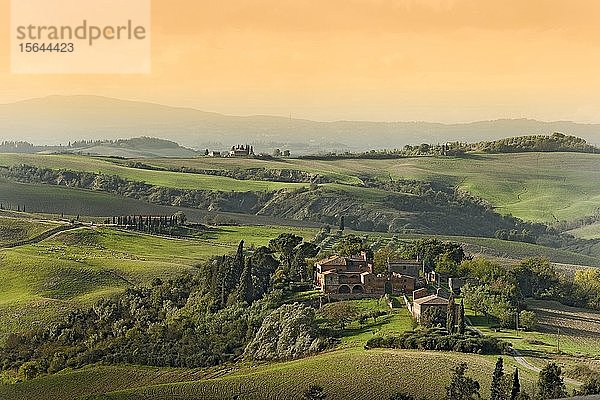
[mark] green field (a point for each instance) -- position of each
(158, 178)
(344, 374)
(561, 330)
(542, 187)
(55, 201)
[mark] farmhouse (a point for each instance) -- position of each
(241, 151)
(345, 275)
(422, 304)
(354, 275)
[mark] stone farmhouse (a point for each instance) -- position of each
(422, 301)
(354, 275)
(241, 151)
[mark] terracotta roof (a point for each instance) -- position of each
(433, 299)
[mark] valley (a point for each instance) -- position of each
(45, 280)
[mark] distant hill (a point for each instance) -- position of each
(127, 148)
(59, 119)
(135, 147)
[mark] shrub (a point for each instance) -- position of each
(288, 332)
(431, 340)
(527, 320)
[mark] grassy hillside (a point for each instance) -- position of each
(14, 230)
(345, 374)
(68, 385)
(131, 148)
(43, 281)
(46, 280)
(77, 267)
(545, 187)
(587, 232)
(542, 187)
(48, 199)
(158, 178)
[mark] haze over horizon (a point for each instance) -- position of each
(443, 61)
(192, 108)
(60, 119)
(188, 107)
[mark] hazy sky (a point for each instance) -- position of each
(434, 60)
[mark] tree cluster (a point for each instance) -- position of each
(495, 291)
(441, 256)
(538, 143)
(157, 224)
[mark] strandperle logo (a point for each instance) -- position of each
(80, 36)
(88, 32)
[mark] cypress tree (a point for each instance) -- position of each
(516, 386)
(450, 313)
(219, 280)
(461, 386)
(246, 287)
(496, 392)
(232, 272)
(238, 262)
(550, 383)
(461, 318)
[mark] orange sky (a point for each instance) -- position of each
(435, 60)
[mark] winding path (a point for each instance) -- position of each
(526, 364)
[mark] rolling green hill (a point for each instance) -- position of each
(587, 232)
(131, 148)
(542, 187)
(57, 200)
(43, 281)
(14, 230)
(158, 178)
